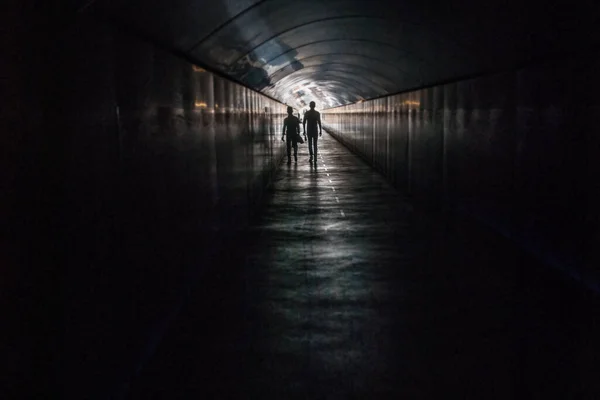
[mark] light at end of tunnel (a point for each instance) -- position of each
(216, 106)
(200, 104)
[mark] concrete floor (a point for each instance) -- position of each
(342, 290)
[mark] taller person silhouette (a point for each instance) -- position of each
(312, 118)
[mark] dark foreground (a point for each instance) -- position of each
(342, 291)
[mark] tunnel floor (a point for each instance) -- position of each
(342, 290)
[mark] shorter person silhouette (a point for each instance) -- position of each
(312, 118)
(291, 127)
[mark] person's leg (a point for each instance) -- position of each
(310, 149)
(315, 149)
(295, 151)
(288, 144)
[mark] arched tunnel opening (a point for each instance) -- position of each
(442, 240)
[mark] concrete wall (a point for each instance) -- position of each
(126, 174)
(519, 151)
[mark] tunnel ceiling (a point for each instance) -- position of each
(341, 51)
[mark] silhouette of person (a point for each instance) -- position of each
(291, 127)
(312, 118)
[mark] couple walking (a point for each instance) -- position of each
(291, 127)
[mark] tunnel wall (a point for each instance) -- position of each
(129, 172)
(517, 151)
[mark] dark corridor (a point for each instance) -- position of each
(154, 244)
(342, 290)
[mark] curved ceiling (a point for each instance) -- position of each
(339, 51)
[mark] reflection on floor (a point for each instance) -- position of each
(343, 291)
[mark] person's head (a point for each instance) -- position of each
(290, 110)
(312, 105)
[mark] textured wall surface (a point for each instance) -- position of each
(128, 172)
(518, 151)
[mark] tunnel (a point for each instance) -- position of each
(442, 242)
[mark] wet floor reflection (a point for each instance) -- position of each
(322, 305)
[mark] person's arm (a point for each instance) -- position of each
(304, 125)
(319, 122)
